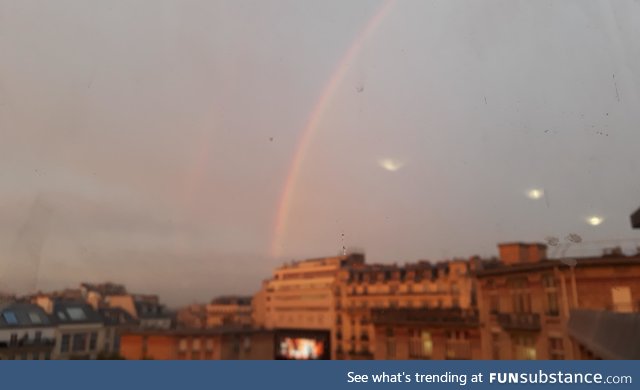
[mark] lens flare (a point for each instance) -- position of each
(595, 220)
(535, 194)
(390, 164)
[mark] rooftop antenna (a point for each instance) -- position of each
(344, 248)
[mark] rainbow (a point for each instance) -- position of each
(284, 204)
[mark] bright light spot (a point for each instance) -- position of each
(595, 220)
(535, 194)
(390, 165)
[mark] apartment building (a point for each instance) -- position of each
(222, 343)
(26, 332)
(422, 286)
(79, 331)
(532, 307)
(144, 308)
(304, 295)
(229, 310)
(116, 321)
(337, 295)
(426, 333)
(221, 311)
(192, 316)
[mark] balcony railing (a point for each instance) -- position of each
(519, 321)
(31, 343)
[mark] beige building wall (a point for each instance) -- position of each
(418, 285)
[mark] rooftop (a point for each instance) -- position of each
(498, 268)
(65, 312)
(18, 315)
(606, 333)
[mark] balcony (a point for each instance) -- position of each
(519, 321)
(30, 343)
(433, 317)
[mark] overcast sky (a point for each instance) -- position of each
(149, 142)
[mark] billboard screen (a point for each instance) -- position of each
(302, 346)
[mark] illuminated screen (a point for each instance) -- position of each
(301, 348)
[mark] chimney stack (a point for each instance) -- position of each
(520, 252)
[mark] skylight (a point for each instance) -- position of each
(10, 317)
(35, 318)
(76, 314)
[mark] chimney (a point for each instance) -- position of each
(45, 302)
(520, 252)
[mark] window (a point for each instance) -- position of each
(495, 345)
(525, 347)
(14, 339)
(47, 355)
(621, 297)
(182, 346)
(494, 303)
(79, 342)
(556, 348)
(36, 356)
(520, 296)
(38, 336)
(552, 303)
(195, 345)
(391, 348)
(93, 341)
(551, 295)
(64, 343)
(76, 314)
(420, 345)
(209, 345)
(10, 318)
(35, 318)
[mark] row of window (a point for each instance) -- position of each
(25, 338)
(394, 303)
(524, 347)
(385, 289)
(195, 345)
(78, 342)
(28, 356)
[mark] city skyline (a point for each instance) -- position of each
(153, 143)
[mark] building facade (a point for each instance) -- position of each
(26, 332)
(420, 286)
(526, 301)
(198, 344)
(304, 295)
(228, 311)
(427, 333)
(338, 294)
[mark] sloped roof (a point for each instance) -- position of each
(608, 334)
